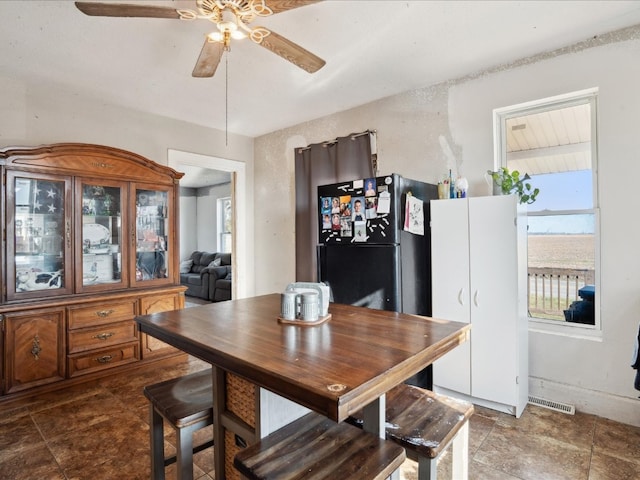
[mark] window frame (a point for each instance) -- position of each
(500, 117)
(220, 207)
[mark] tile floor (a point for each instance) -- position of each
(99, 431)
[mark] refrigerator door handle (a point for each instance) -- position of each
(461, 296)
(476, 296)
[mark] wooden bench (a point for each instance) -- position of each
(425, 423)
(315, 448)
(186, 403)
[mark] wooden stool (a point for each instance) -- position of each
(425, 423)
(186, 403)
(314, 448)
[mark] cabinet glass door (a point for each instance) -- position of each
(38, 236)
(153, 235)
(101, 238)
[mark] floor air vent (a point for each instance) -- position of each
(557, 406)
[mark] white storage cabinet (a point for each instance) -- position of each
(479, 265)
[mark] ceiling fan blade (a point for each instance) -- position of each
(209, 59)
(292, 52)
(278, 6)
(124, 10)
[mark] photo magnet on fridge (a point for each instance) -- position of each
(370, 187)
(335, 205)
(335, 221)
(326, 221)
(345, 227)
(357, 209)
(360, 231)
(370, 207)
(325, 203)
(345, 205)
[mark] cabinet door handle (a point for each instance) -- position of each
(104, 313)
(35, 347)
(476, 297)
(104, 359)
(461, 296)
(67, 231)
(104, 336)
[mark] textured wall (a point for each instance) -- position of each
(423, 133)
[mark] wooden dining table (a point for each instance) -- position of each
(336, 367)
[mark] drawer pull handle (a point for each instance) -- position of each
(104, 359)
(104, 336)
(104, 313)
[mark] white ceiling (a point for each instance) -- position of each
(373, 49)
(551, 141)
(196, 177)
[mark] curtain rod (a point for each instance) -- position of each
(331, 142)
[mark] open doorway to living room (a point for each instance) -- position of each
(205, 192)
(229, 178)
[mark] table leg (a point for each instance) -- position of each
(374, 416)
(157, 443)
(218, 383)
(374, 422)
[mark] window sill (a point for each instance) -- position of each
(565, 329)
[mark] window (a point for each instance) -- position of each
(554, 141)
(225, 222)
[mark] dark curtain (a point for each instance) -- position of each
(343, 159)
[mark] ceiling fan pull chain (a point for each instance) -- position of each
(226, 100)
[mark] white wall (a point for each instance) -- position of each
(423, 133)
(207, 209)
(188, 222)
(199, 218)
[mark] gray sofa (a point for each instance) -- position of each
(207, 276)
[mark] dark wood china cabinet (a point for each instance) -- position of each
(90, 240)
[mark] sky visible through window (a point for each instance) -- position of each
(563, 191)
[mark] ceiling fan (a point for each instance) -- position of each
(232, 19)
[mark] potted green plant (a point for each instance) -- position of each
(506, 182)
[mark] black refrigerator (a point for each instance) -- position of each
(366, 254)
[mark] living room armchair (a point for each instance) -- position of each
(220, 281)
(195, 274)
(207, 276)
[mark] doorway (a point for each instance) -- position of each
(179, 160)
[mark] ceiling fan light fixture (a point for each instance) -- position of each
(232, 19)
(227, 26)
(215, 36)
(228, 20)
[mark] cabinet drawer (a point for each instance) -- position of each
(102, 336)
(89, 362)
(99, 314)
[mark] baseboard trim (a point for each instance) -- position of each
(498, 407)
(614, 407)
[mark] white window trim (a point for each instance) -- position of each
(220, 220)
(500, 116)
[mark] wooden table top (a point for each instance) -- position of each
(335, 368)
